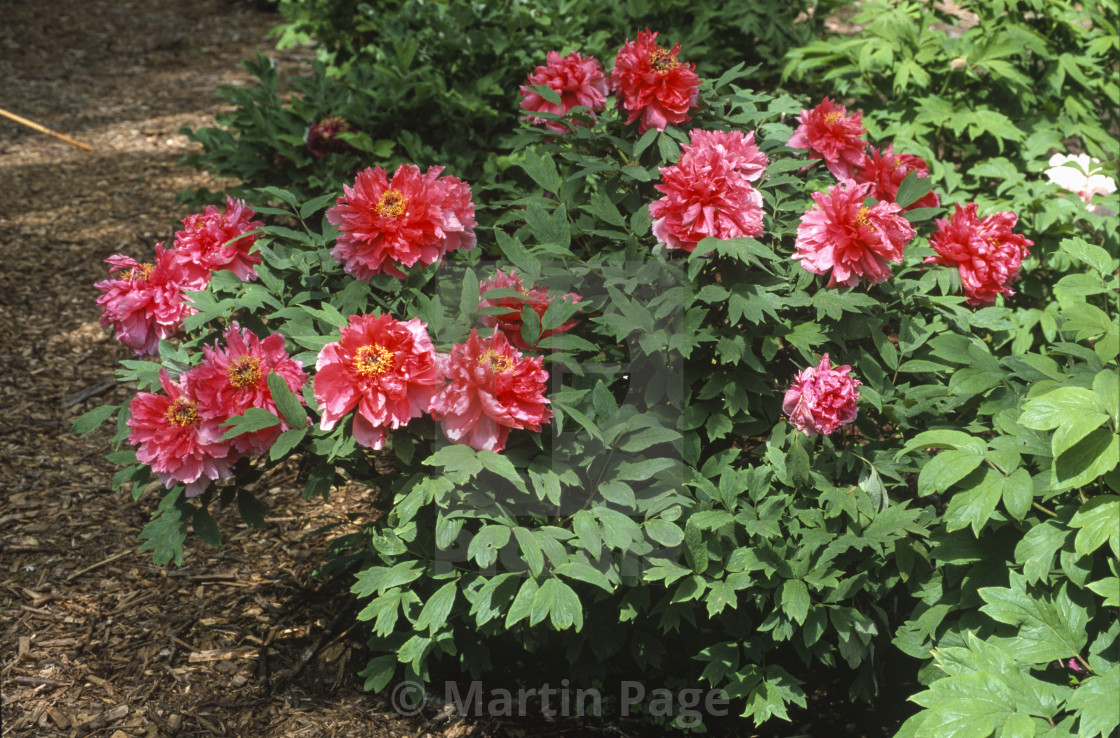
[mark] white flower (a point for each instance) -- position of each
(1082, 175)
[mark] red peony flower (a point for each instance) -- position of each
(415, 218)
(652, 84)
(576, 79)
(822, 398)
(885, 172)
(211, 241)
(830, 134)
(323, 138)
(509, 322)
(385, 368)
(143, 302)
(985, 251)
(740, 152)
(493, 389)
(233, 379)
(705, 196)
(852, 240)
(176, 441)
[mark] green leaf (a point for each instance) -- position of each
(486, 544)
(86, 423)
(560, 603)
(944, 439)
(205, 527)
(946, 469)
(973, 506)
(379, 672)
(1018, 493)
(503, 467)
(1097, 521)
(1093, 256)
(165, 534)
(1052, 409)
(542, 169)
(1049, 629)
(522, 603)
(1091, 457)
(468, 295)
(437, 608)
(1098, 710)
(286, 401)
(254, 419)
(287, 440)
(547, 93)
(795, 600)
(585, 573)
(912, 189)
(251, 510)
(1109, 589)
(530, 550)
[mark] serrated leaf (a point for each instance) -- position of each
(1096, 521)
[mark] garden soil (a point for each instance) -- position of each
(242, 640)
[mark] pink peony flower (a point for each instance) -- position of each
(849, 240)
(822, 398)
(509, 322)
(233, 379)
(323, 138)
(385, 368)
(830, 134)
(493, 389)
(885, 171)
(576, 79)
(653, 84)
(985, 251)
(706, 195)
(1083, 176)
(176, 441)
(740, 152)
(211, 242)
(143, 302)
(414, 218)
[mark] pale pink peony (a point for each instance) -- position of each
(509, 322)
(846, 239)
(176, 441)
(985, 251)
(829, 133)
(211, 241)
(652, 84)
(385, 368)
(388, 225)
(232, 379)
(1083, 176)
(739, 151)
(885, 170)
(143, 302)
(706, 196)
(492, 389)
(822, 398)
(578, 80)
(323, 137)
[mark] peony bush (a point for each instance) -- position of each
(703, 391)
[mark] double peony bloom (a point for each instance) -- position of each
(388, 373)
(412, 218)
(984, 250)
(829, 133)
(577, 80)
(848, 240)
(144, 303)
(822, 398)
(709, 192)
(509, 321)
(652, 85)
(179, 433)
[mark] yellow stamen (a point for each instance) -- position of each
(495, 362)
(141, 273)
(372, 361)
(244, 371)
(861, 217)
(662, 61)
(392, 204)
(182, 413)
(832, 117)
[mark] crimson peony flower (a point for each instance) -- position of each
(415, 218)
(176, 441)
(653, 84)
(233, 379)
(885, 171)
(576, 79)
(510, 322)
(852, 240)
(822, 398)
(385, 368)
(493, 389)
(985, 251)
(323, 138)
(143, 302)
(830, 134)
(740, 152)
(706, 195)
(211, 241)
